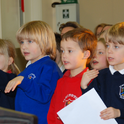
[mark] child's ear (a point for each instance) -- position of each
(86, 54)
(10, 61)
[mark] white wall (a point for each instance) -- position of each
(47, 12)
(10, 16)
(94, 12)
(33, 10)
(10, 19)
(54, 16)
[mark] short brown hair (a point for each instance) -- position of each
(69, 24)
(84, 37)
(102, 25)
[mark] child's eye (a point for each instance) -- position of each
(107, 46)
(116, 47)
(70, 51)
(21, 42)
(100, 52)
(62, 51)
(30, 41)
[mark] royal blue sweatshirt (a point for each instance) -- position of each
(111, 90)
(36, 89)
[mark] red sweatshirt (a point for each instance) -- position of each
(67, 90)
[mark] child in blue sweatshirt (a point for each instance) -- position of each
(36, 84)
(110, 82)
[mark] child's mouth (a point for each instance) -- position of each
(95, 62)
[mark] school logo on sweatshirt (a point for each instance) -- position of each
(31, 76)
(69, 99)
(121, 93)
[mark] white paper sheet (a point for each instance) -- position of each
(85, 110)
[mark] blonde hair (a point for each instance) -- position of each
(7, 48)
(42, 34)
(116, 33)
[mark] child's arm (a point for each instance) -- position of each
(13, 84)
(40, 88)
(88, 76)
(110, 113)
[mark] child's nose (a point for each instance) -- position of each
(23, 46)
(109, 50)
(64, 55)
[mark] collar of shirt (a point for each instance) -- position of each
(29, 62)
(62, 68)
(112, 70)
(9, 71)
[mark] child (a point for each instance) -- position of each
(8, 71)
(77, 47)
(68, 26)
(101, 28)
(110, 82)
(36, 84)
(58, 53)
(99, 60)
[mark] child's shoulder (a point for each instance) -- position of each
(45, 61)
(48, 61)
(5, 75)
(104, 71)
(103, 76)
(65, 77)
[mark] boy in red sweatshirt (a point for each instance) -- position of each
(77, 48)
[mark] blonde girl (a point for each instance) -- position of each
(36, 84)
(8, 71)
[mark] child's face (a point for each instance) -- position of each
(72, 55)
(30, 50)
(99, 60)
(115, 55)
(4, 63)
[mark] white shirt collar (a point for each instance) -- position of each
(29, 62)
(62, 68)
(112, 70)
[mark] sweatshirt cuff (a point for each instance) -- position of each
(122, 113)
(24, 84)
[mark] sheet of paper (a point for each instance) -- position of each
(86, 109)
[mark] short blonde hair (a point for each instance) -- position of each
(116, 33)
(41, 33)
(7, 48)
